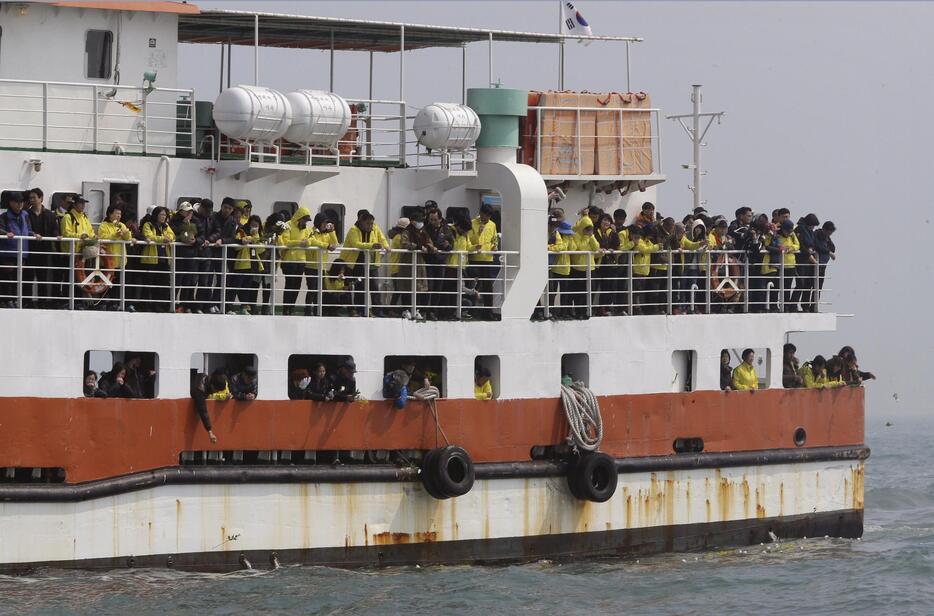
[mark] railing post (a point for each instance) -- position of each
(45, 116)
(414, 283)
(815, 288)
(538, 145)
(94, 108)
(460, 285)
(123, 277)
(224, 279)
(629, 289)
(71, 273)
(707, 286)
(505, 270)
(19, 272)
(580, 163)
(746, 279)
(366, 284)
(589, 285)
(320, 306)
(194, 124)
(172, 270)
(146, 124)
(272, 279)
(620, 133)
(781, 284)
(671, 268)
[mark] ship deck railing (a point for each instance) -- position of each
(76, 274)
(606, 144)
(678, 282)
(96, 117)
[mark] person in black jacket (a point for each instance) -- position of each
(319, 388)
(186, 252)
(141, 380)
(243, 385)
(115, 383)
(826, 252)
(442, 280)
(200, 390)
(91, 390)
(202, 221)
(726, 373)
(222, 231)
(343, 383)
(805, 263)
(39, 263)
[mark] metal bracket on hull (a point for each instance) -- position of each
(250, 171)
(447, 178)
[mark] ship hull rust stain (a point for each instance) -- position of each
(399, 513)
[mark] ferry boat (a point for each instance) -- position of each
(667, 462)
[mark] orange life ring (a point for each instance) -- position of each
(726, 268)
(95, 287)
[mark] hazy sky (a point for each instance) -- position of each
(827, 112)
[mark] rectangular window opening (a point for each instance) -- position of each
(731, 358)
(324, 378)
(416, 371)
(486, 369)
(576, 366)
(683, 363)
(120, 374)
(238, 369)
(98, 54)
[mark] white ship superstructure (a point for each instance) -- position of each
(137, 482)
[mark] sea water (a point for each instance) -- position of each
(889, 571)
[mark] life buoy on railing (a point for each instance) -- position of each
(725, 278)
(447, 471)
(97, 282)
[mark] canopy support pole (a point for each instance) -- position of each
(331, 82)
(491, 59)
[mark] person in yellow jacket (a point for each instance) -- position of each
(243, 210)
(336, 293)
(744, 375)
(154, 260)
(112, 230)
(248, 265)
(321, 240)
(789, 244)
(482, 389)
(220, 387)
(75, 224)
(458, 259)
(814, 373)
(364, 235)
(294, 240)
(559, 266)
(482, 239)
(585, 242)
(684, 275)
(640, 265)
(626, 246)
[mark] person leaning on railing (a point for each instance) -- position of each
(400, 273)
(641, 262)
(805, 263)
(441, 286)
(154, 260)
(248, 266)
(14, 221)
(482, 240)
(457, 260)
(585, 243)
(186, 251)
(76, 226)
(607, 272)
(114, 231)
(559, 265)
(40, 264)
(294, 240)
(321, 241)
(364, 235)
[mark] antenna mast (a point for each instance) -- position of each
(697, 138)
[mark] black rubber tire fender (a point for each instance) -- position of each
(453, 471)
(594, 477)
(429, 472)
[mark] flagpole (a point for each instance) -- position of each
(560, 47)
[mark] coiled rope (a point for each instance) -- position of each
(429, 395)
(583, 413)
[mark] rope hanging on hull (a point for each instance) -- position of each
(583, 413)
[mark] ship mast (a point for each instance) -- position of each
(697, 138)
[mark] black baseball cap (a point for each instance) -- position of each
(79, 199)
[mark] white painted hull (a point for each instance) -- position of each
(154, 525)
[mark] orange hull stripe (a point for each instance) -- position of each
(95, 439)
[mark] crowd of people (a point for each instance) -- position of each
(229, 252)
(841, 370)
(777, 254)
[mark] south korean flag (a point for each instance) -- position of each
(574, 22)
